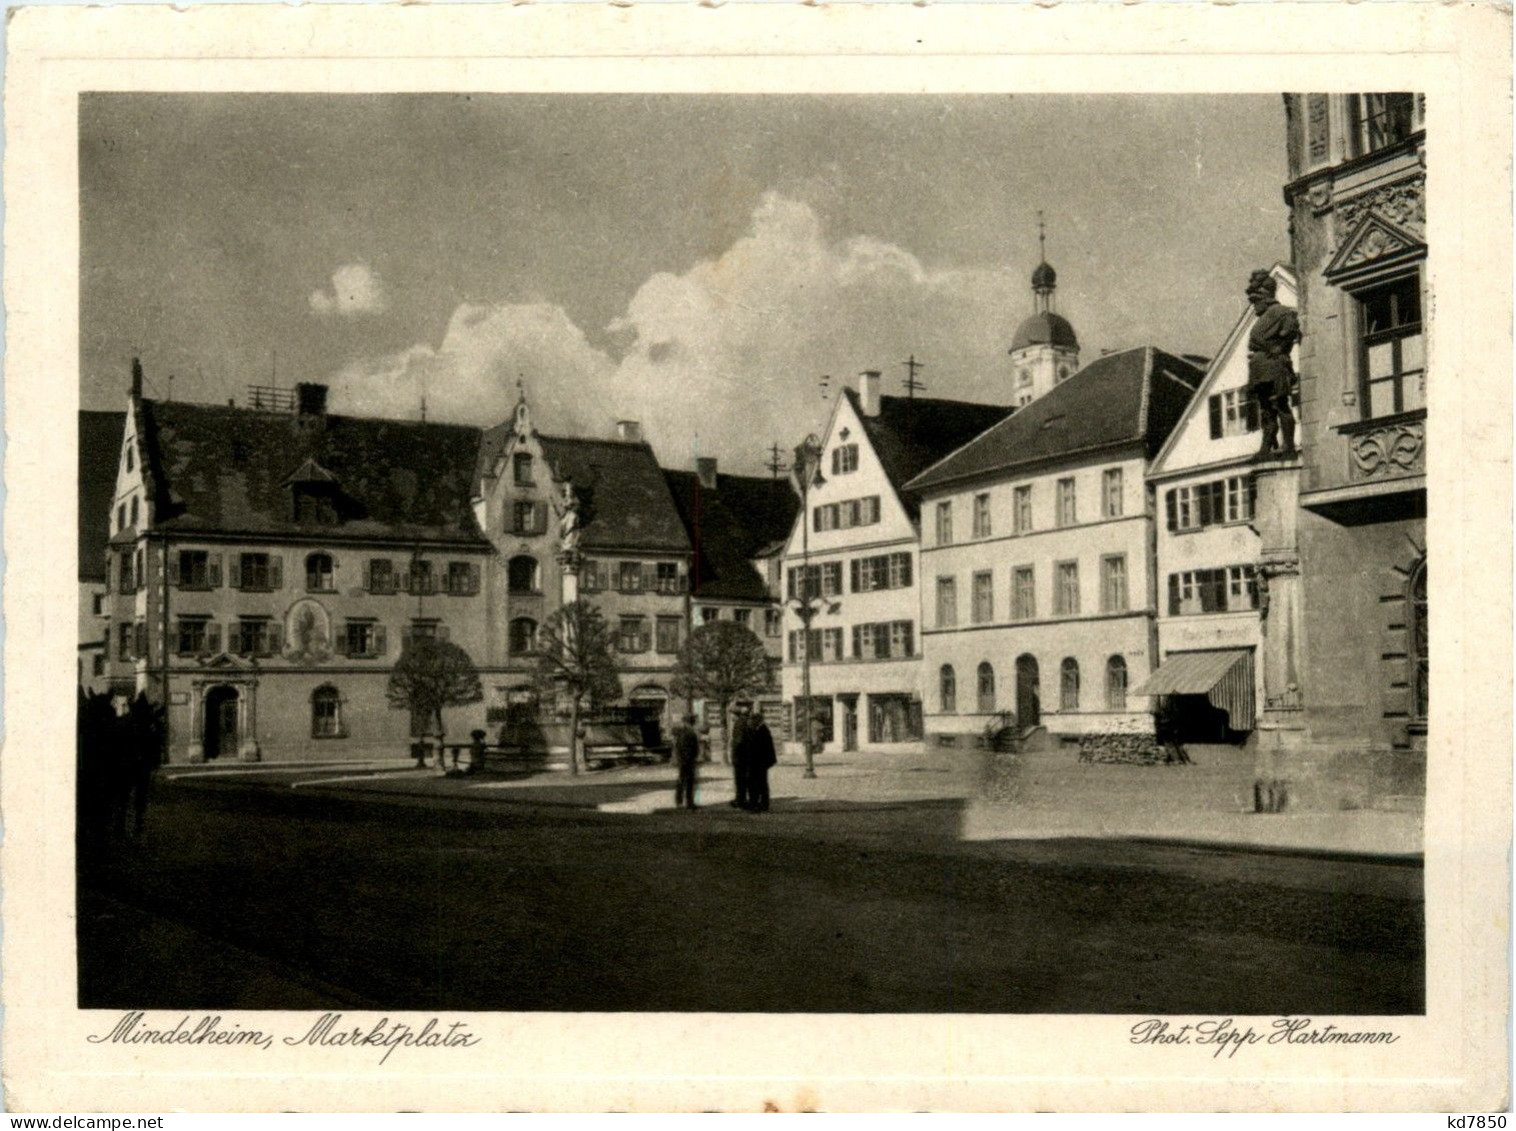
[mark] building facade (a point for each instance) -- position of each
(1038, 586)
(854, 554)
(1208, 545)
(100, 453)
(269, 564)
(1357, 197)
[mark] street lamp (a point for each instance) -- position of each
(807, 470)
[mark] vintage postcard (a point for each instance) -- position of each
(806, 558)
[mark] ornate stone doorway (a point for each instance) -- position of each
(220, 721)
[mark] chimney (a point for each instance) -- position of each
(310, 400)
(868, 392)
(136, 377)
(705, 471)
(629, 430)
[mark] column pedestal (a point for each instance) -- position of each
(1281, 732)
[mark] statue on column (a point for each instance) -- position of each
(569, 531)
(1271, 376)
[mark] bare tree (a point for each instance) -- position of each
(430, 675)
(722, 661)
(574, 661)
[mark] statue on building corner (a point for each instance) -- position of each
(1271, 375)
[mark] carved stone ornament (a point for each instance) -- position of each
(1375, 244)
(1403, 203)
(1320, 196)
(1396, 449)
(307, 632)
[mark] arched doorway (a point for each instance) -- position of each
(1028, 692)
(220, 718)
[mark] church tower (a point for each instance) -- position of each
(1044, 350)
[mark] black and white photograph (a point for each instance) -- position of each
(797, 558)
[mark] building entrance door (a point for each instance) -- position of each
(850, 724)
(220, 722)
(1028, 692)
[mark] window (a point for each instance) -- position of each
(521, 464)
(257, 572)
(1198, 505)
(1392, 354)
(825, 518)
(982, 515)
(831, 645)
(1113, 591)
(326, 713)
(1232, 413)
(1110, 493)
(1228, 589)
(883, 571)
(887, 640)
(773, 622)
(1115, 684)
(666, 577)
(818, 718)
(461, 579)
(195, 570)
(521, 636)
(98, 667)
(984, 597)
(894, 718)
(318, 573)
(139, 644)
(1063, 373)
(134, 510)
(421, 581)
(124, 643)
(1420, 653)
(129, 458)
(805, 583)
(844, 515)
(1068, 685)
(1239, 498)
(947, 689)
(629, 579)
(947, 602)
(528, 517)
(363, 639)
(744, 617)
(255, 636)
(139, 569)
(668, 634)
(521, 574)
(945, 523)
(121, 517)
(900, 571)
(1023, 378)
(1022, 497)
(1023, 594)
(97, 603)
(126, 584)
(986, 688)
(194, 637)
(831, 579)
(1379, 121)
(844, 459)
(592, 576)
(633, 636)
(381, 576)
(709, 615)
(1066, 593)
(1068, 510)
(901, 643)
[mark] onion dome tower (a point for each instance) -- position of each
(1045, 349)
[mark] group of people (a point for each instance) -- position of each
(118, 747)
(753, 755)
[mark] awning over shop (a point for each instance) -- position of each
(1225, 678)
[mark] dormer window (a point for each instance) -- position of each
(313, 494)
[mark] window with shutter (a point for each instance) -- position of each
(1214, 404)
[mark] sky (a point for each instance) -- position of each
(715, 267)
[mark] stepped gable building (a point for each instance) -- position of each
(1037, 587)
(734, 522)
(269, 562)
(1352, 700)
(1208, 546)
(100, 453)
(863, 529)
(626, 529)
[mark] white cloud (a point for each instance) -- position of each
(355, 290)
(731, 350)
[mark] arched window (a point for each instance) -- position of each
(986, 688)
(134, 510)
(1068, 685)
(1063, 373)
(318, 573)
(521, 574)
(948, 685)
(1115, 683)
(326, 712)
(1420, 666)
(523, 635)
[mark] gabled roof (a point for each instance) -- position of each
(99, 457)
(624, 499)
(1135, 396)
(216, 468)
(910, 434)
(731, 525)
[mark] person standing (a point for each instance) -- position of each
(686, 755)
(740, 772)
(760, 759)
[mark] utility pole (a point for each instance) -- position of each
(774, 464)
(807, 469)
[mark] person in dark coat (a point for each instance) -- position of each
(686, 755)
(146, 754)
(740, 772)
(760, 759)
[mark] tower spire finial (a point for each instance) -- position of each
(1042, 241)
